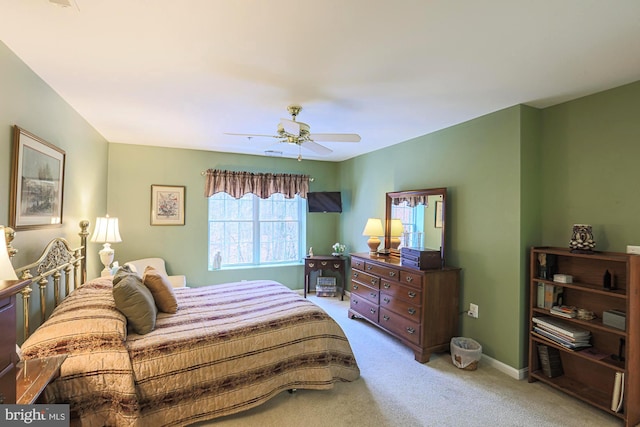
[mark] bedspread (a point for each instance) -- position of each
(228, 348)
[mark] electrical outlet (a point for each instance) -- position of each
(633, 250)
(473, 311)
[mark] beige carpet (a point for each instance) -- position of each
(394, 390)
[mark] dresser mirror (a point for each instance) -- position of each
(422, 220)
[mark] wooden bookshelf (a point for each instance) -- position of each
(585, 376)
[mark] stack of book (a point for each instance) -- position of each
(550, 361)
(326, 287)
(564, 311)
(561, 332)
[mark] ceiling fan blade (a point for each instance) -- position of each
(335, 137)
(251, 135)
(316, 148)
(290, 127)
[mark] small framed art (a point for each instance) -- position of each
(167, 204)
(37, 182)
(438, 220)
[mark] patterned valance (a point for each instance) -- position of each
(412, 201)
(263, 185)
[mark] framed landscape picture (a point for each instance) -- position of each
(37, 182)
(167, 204)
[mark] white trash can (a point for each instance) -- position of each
(465, 353)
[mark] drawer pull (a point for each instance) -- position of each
(409, 279)
(386, 286)
(411, 331)
(312, 264)
(385, 317)
(387, 300)
(372, 310)
(336, 266)
(373, 294)
(355, 274)
(355, 286)
(369, 267)
(323, 263)
(412, 294)
(354, 301)
(374, 281)
(392, 274)
(412, 311)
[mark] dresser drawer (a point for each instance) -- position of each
(411, 279)
(364, 291)
(382, 271)
(364, 308)
(407, 309)
(400, 326)
(357, 263)
(365, 278)
(398, 290)
(9, 334)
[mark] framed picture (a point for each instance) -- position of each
(167, 204)
(438, 221)
(37, 182)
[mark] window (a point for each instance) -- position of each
(253, 231)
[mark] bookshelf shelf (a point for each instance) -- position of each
(588, 374)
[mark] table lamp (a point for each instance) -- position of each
(6, 269)
(373, 229)
(397, 229)
(106, 232)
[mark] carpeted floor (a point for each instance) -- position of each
(394, 390)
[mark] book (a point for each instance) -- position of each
(561, 326)
(540, 302)
(618, 392)
(550, 361)
(552, 295)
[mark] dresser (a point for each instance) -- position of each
(8, 338)
(419, 307)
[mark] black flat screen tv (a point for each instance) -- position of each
(324, 201)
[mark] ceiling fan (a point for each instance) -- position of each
(298, 133)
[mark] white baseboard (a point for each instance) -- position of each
(518, 374)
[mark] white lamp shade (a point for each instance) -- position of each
(106, 230)
(396, 227)
(373, 227)
(6, 269)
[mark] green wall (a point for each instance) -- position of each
(590, 152)
(479, 164)
(134, 168)
(26, 101)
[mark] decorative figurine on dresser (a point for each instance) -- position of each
(410, 293)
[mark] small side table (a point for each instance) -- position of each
(34, 375)
(324, 263)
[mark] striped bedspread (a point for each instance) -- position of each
(228, 348)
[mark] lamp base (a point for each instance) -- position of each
(395, 242)
(373, 244)
(106, 258)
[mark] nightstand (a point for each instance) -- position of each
(34, 375)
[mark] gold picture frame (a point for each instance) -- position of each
(168, 204)
(37, 182)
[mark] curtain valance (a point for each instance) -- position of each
(412, 201)
(263, 185)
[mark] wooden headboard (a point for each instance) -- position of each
(59, 262)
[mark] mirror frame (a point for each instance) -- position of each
(425, 192)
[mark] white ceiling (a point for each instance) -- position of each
(182, 73)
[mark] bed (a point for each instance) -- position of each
(226, 349)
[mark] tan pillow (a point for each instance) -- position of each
(161, 289)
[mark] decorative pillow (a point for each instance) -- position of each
(123, 272)
(135, 301)
(161, 289)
